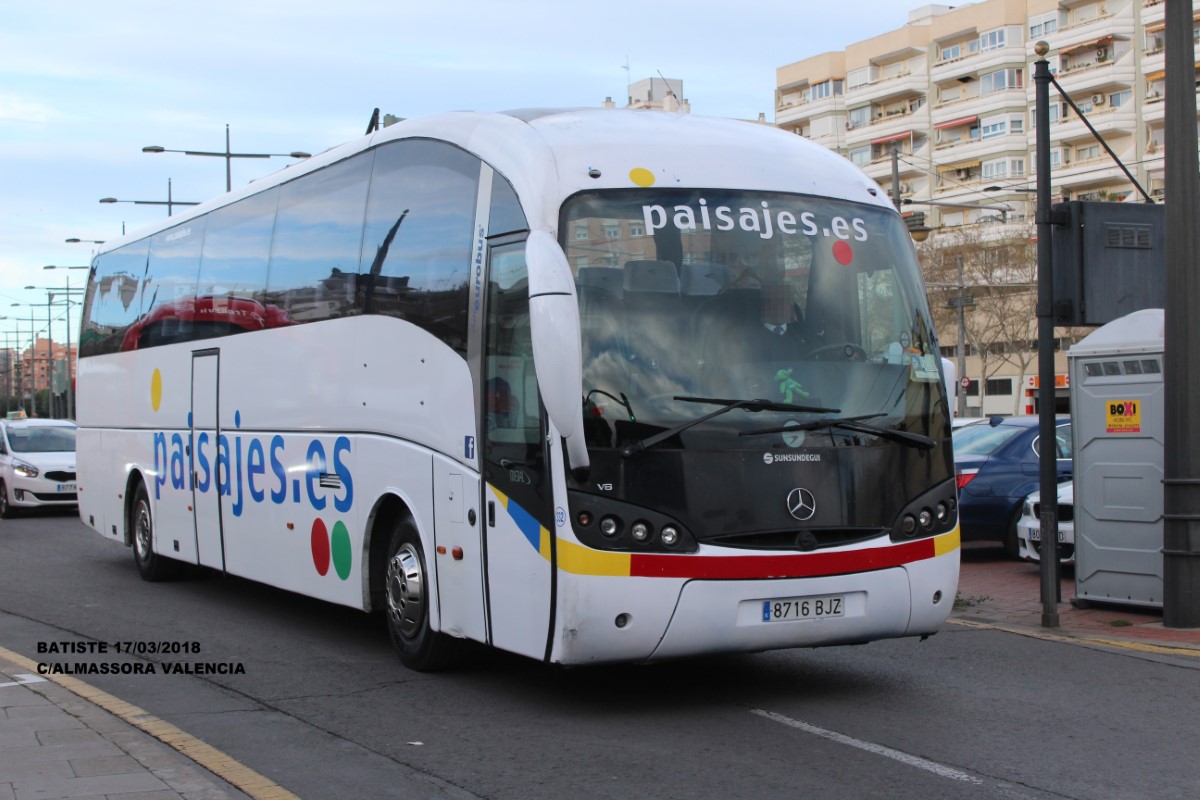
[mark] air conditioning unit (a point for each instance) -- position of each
(962, 174)
(1097, 99)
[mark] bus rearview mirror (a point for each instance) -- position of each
(554, 326)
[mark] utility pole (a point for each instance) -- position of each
(1181, 376)
(1047, 473)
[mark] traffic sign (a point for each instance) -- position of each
(965, 382)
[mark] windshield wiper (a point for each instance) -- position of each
(855, 424)
(726, 405)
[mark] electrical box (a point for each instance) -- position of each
(1108, 260)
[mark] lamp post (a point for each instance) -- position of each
(70, 374)
(228, 155)
(32, 356)
(170, 203)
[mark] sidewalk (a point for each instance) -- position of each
(1005, 593)
(54, 743)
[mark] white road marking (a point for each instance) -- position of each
(905, 758)
(22, 679)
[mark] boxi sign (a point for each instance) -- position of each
(1123, 416)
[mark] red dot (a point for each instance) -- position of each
(320, 546)
(843, 253)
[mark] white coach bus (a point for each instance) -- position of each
(588, 386)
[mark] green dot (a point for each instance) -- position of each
(340, 544)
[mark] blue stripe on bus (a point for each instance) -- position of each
(529, 527)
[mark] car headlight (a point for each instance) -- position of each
(24, 470)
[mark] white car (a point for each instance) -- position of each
(1029, 526)
(37, 464)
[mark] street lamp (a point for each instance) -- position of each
(227, 155)
(70, 375)
(169, 202)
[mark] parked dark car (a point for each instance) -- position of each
(996, 467)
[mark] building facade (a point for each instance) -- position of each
(942, 111)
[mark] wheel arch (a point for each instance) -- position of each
(132, 481)
(385, 513)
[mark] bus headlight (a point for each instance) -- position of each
(640, 531)
(669, 536)
(609, 526)
(933, 513)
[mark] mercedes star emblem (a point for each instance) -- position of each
(801, 504)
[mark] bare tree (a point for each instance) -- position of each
(995, 264)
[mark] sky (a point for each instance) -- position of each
(85, 85)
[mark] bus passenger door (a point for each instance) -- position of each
(517, 497)
(206, 497)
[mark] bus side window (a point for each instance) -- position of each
(315, 248)
(416, 247)
(233, 264)
(506, 215)
(169, 299)
(112, 301)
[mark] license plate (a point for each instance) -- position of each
(65, 487)
(1035, 534)
(781, 609)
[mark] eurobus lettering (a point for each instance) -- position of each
(558, 382)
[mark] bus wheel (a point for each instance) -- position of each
(151, 566)
(407, 589)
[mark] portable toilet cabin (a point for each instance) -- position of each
(1117, 414)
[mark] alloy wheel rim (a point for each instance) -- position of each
(141, 532)
(405, 591)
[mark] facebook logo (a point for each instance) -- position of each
(469, 447)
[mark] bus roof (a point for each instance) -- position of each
(550, 154)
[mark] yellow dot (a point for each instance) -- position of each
(642, 177)
(156, 389)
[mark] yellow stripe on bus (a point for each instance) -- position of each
(947, 543)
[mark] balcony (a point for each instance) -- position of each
(975, 64)
(796, 109)
(1107, 121)
(890, 88)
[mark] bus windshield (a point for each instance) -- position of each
(690, 299)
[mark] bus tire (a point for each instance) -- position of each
(150, 565)
(406, 603)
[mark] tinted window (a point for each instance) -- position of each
(42, 439)
(112, 301)
(982, 439)
(318, 237)
(417, 244)
(233, 267)
(506, 216)
(169, 291)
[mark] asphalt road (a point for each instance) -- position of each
(325, 710)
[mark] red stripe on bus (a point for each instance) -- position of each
(800, 565)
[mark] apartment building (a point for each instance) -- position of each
(943, 107)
